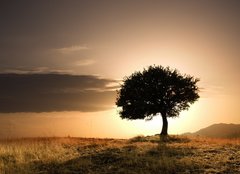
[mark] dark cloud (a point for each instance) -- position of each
(55, 92)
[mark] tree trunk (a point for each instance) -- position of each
(165, 125)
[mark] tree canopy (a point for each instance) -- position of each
(156, 90)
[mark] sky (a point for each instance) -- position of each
(61, 63)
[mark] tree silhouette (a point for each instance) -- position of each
(156, 90)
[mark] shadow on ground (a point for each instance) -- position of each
(129, 159)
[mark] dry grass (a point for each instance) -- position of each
(139, 155)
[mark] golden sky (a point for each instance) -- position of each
(95, 44)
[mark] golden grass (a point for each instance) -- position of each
(134, 156)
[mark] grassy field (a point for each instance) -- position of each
(139, 155)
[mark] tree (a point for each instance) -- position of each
(156, 91)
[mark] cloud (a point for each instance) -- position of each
(72, 49)
(84, 62)
(55, 92)
(26, 70)
(211, 90)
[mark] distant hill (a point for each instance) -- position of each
(220, 130)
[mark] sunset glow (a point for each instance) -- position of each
(62, 62)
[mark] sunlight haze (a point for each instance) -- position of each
(96, 44)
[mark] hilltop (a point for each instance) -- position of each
(221, 130)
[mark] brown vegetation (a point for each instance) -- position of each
(134, 156)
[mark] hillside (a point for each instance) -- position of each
(139, 155)
(220, 130)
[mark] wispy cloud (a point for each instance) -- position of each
(210, 91)
(72, 49)
(39, 70)
(84, 62)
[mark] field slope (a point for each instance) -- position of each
(139, 155)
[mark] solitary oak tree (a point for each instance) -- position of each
(156, 91)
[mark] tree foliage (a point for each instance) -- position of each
(156, 90)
